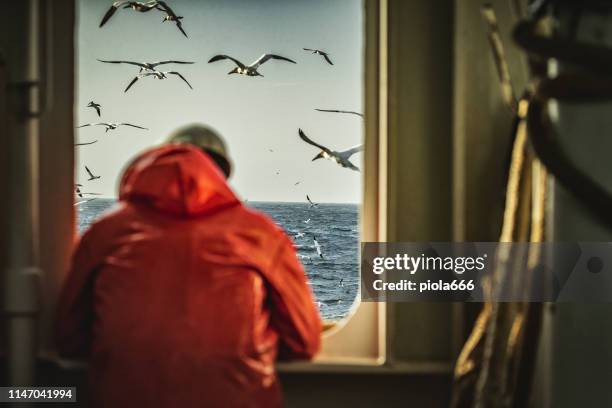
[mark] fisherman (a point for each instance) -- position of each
(181, 296)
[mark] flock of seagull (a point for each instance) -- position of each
(150, 70)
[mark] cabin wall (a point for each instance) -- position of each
(10, 46)
(482, 122)
(419, 160)
(579, 358)
(54, 173)
(56, 170)
(4, 178)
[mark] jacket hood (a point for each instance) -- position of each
(176, 179)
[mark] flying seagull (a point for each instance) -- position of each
(299, 235)
(81, 194)
(317, 246)
(157, 75)
(340, 111)
(171, 16)
(321, 53)
(249, 70)
(111, 126)
(146, 66)
(91, 175)
(342, 158)
(296, 183)
(94, 105)
(310, 202)
(307, 221)
(86, 143)
(142, 7)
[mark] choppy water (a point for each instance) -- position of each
(334, 279)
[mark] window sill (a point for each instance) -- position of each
(328, 365)
(365, 366)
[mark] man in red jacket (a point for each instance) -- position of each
(182, 296)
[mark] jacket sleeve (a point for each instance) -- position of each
(75, 311)
(294, 313)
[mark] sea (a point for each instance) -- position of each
(334, 278)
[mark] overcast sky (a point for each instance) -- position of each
(253, 114)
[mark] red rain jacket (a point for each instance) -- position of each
(182, 296)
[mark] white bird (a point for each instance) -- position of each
(91, 175)
(94, 105)
(146, 66)
(321, 53)
(134, 5)
(81, 194)
(312, 204)
(342, 157)
(111, 126)
(171, 16)
(317, 246)
(156, 75)
(249, 70)
(307, 221)
(340, 111)
(299, 235)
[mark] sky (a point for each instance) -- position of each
(254, 114)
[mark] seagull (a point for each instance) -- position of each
(296, 183)
(81, 194)
(299, 235)
(134, 5)
(342, 158)
(317, 246)
(91, 175)
(307, 221)
(86, 143)
(311, 203)
(321, 53)
(340, 111)
(156, 75)
(146, 66)
(171, 16)
(249, 70)
(341, 282)
(111, 126)
(94, 105)
(271, 150)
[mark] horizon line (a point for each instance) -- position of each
(259, 201)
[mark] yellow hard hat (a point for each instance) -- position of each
(208, 140)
